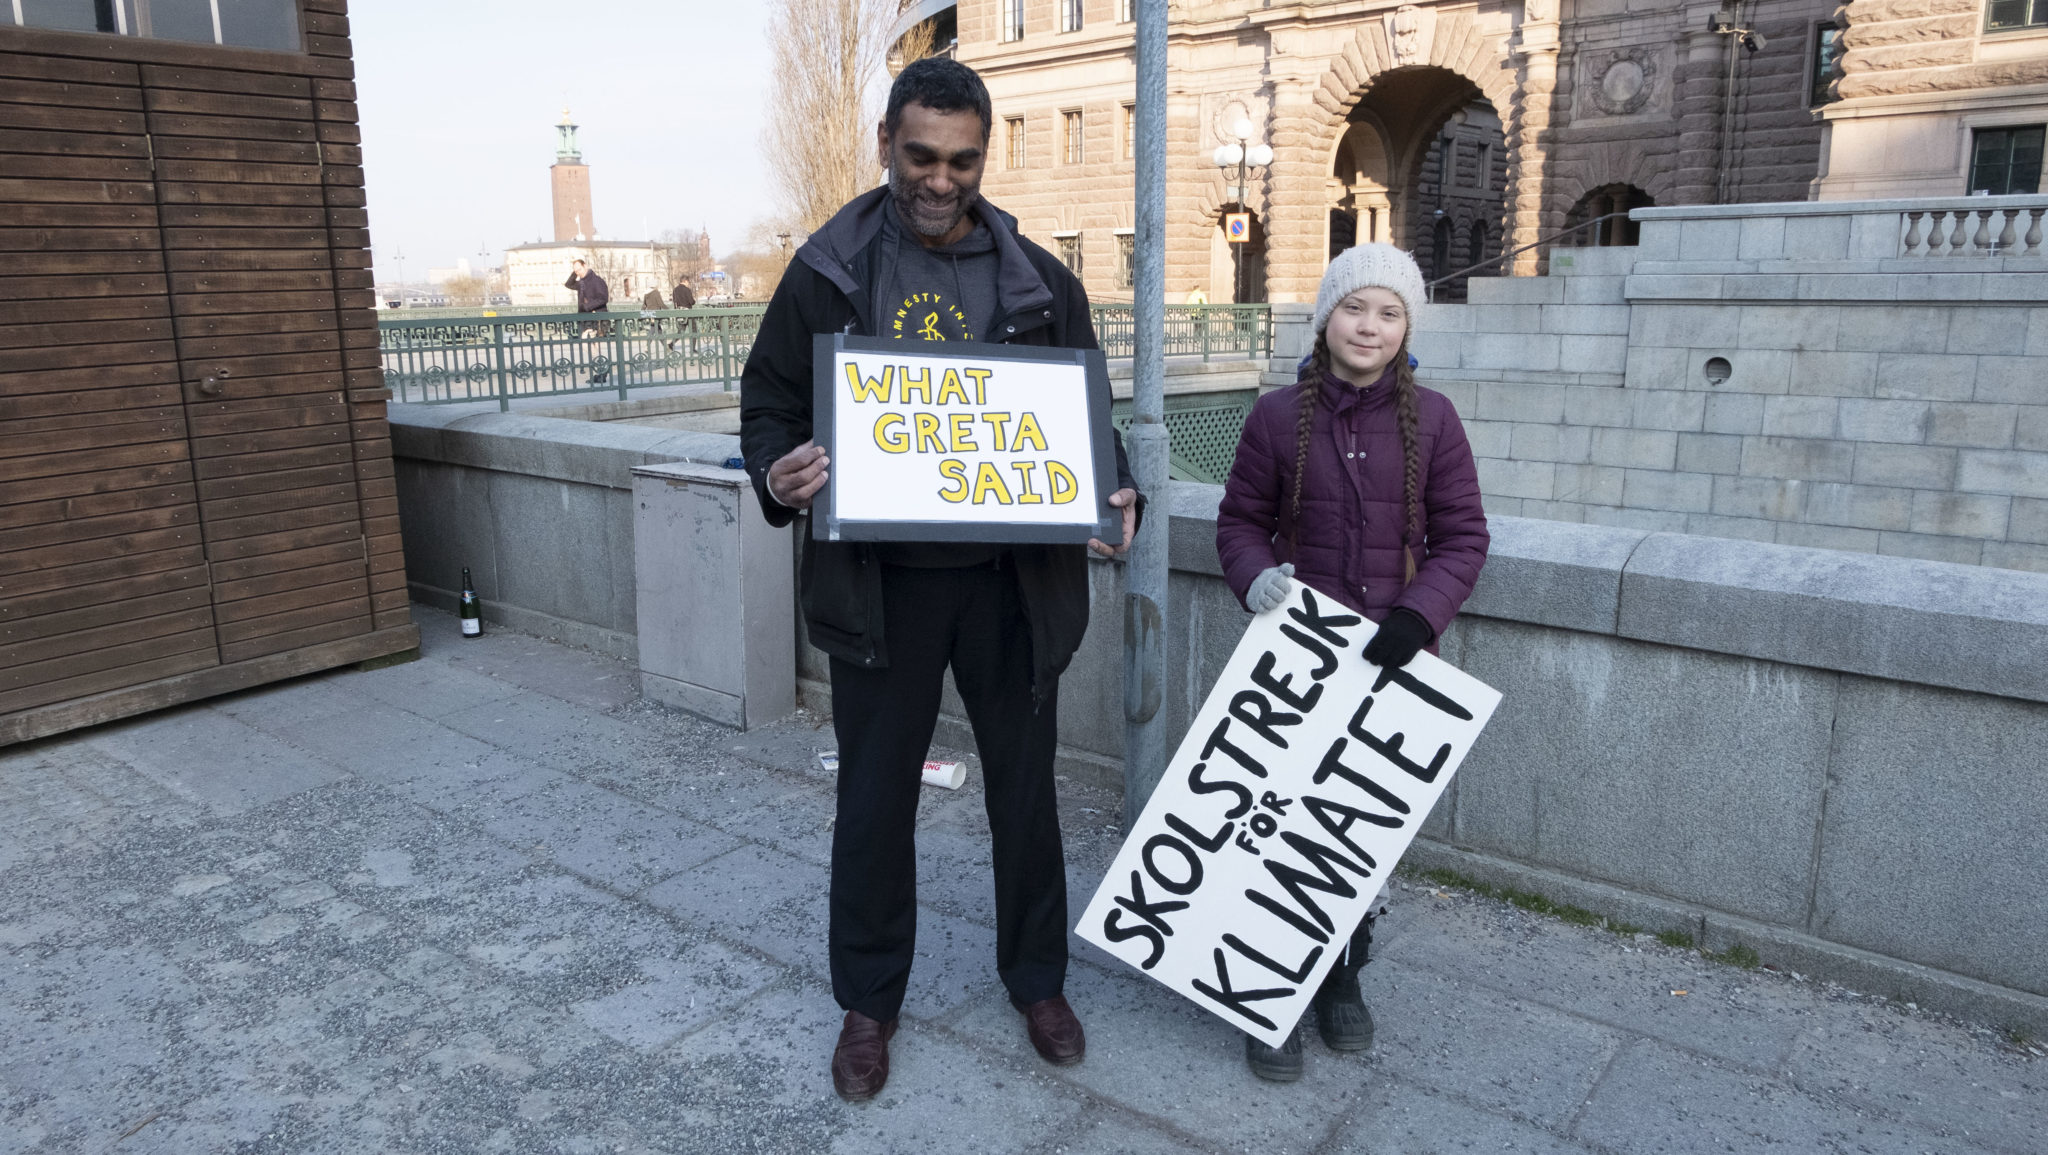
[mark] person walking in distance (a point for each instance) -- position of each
(1358, 483)
(925, 258)
(592, 296)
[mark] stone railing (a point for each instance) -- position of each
(1972, 229)
(1770, 237)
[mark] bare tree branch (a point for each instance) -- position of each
(820, 140)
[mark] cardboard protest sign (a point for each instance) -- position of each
(963, 441)
(1299, 786)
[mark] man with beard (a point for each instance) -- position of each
(925, 258)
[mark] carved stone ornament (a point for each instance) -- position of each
(1622, 81)
(1539, 11)
(1410, 33)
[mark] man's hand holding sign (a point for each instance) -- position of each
(1298, 787)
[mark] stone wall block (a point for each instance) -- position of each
(1754, 370)
(1975, 515)
(1871, 420)
(1926, 376)
(1848, 286)
(1708, 240)
(1889, 329)
(1655, 368)
(1438, 351)
(1915, 466)
(1873, 237)
(1507, 478)
(1768, 498)
(1988, 329)
(1685, 326)
(2037, 333)
(2031, 430)
(1760, 287)
(1648, 520)
(1584, 289)
(1738, 528)
(1674, 409)
(2029, 520)
(1531, 351)
(1589, 405)
(1516, 401)
(1797, 459)
(2015, 473)
(1801, 416)
(1660, 489)
(1709, 453)
(1590, 484)
(1973, 426)
(1516, 291)
(1582, 353)
(1734, 413)
(1658, 241)
(1797, 327)
(1565, 511)
(2016, 555)
(1833, 374)
(1931, 547)
(1489, 438)
(2017, 380)
(1817, 238)
(1565, 444)
(1859, 506)
(1815, 536)
(1635, 448)
(1674, 286)
(1608, 320)
(1761, 239)
(1944, 286)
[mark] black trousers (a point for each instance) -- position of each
(973, 621)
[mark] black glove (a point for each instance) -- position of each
(1401, 637)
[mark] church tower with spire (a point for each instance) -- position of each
(571, 180)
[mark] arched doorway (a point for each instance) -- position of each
(1422, 163)
(1237, 272)
(1604, 202)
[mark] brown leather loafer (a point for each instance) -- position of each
(860, 1063)
(1055, 1032)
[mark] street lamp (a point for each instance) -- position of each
(1245, 156)
(783, 240)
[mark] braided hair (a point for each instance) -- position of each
(1407, 414)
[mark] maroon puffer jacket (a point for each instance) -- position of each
(1349, 535)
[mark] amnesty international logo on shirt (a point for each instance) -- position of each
(929, 317)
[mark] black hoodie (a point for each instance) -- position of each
(829, 288)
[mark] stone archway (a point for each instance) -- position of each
(1312, 121)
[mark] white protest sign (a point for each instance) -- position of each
(1298, 787)
(938, 441)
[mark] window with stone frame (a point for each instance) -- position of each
(1124, 15)
(271, 24)
(1070, 15)
(2005, 161)
(1013, 142)
(1010, 22)
(1070, 251)
(1824, 64)
(2007, 15)
(1130, 131)
(1126, 250)
(1071, 133)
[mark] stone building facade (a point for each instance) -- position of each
(1551, 109)
(1938, 98)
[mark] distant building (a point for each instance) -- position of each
(535, 273)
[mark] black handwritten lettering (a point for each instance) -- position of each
(1282, 688)
(1324, 625)
(1314, 932)
(1296, 975)
(1198, 785)
(1264, 825)
(1333, 764)
(1326, 661)
(1422, 691)
(1151, 912)
(1236, 999)
(1187, 885)
(1274, 802)
(1338, 819)
(1115, 932)
(1252, 708)
(1218, 742)
(1390, 748)
(1326, 880)
(1244, 842)
(1209, 845)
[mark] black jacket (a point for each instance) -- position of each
(828, 289)
(592, 294)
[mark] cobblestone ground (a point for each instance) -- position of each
(493, 901)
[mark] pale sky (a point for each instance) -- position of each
(459, 99)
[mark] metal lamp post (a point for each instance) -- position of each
(1245, 156)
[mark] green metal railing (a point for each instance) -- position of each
(1204, 429)
(473, 357)
(449, 356)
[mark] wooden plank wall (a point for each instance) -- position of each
(195, 467)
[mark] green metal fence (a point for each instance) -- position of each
(1203, 428)
(450, 356)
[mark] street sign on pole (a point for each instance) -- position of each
(1237, 227)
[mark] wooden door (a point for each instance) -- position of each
(103, 578)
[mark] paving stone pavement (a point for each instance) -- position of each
(492, 901)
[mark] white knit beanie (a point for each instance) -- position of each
(1373, 265)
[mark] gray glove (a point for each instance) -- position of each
(1269, 589)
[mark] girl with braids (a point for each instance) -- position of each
(1360, 484)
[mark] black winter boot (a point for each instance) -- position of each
(1280, 1064)
(1341, 1016)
